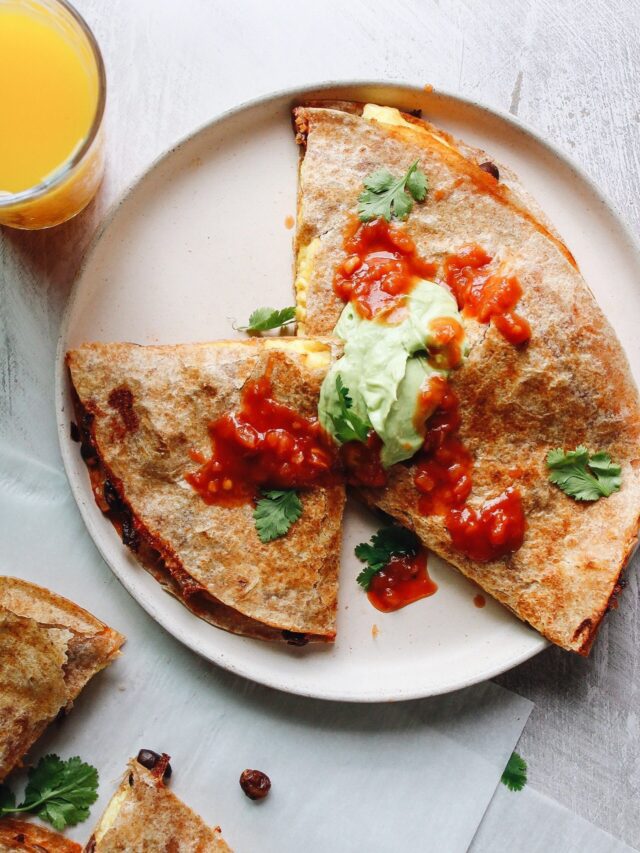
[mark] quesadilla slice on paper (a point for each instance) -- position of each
(209, 459)
(518, 362)
(23, 837)
(50, 650)
(144, 814)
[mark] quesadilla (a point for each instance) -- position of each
(536, 371)
(185, 444)
(50, 650)
(18, 836)
(144, 815)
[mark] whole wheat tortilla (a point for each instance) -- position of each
(143, 815)
(570, 385)
(50, 648)
(210, 556)
(19, 836)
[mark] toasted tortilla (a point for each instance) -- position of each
(18, 835)
(144, 815)
(50, 650)
(210, 556)
(570, 385)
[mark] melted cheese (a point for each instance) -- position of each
(318, 354)
(385, 115)
(110, 814)
(304, 272)
(394, 118)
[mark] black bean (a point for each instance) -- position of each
(491, 169)
(148, 758)
(75, 431)
(130, 536)
(88, 453)
(111, 496)
(255, 784)
(295, 639)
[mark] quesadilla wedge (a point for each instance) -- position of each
(144, 815)
(19, 836)
(209, 459)
(50, 650)
(537, 368)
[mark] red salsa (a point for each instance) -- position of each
(442, 473)
(491, 532)
(380, 269)
(403, 580)
(442, 476)
(447, 338)
(362, 462)
(265, 443)
(485, 294)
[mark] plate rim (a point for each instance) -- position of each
(60, 390)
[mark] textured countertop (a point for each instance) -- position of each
(571, 71)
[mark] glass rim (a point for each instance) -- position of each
(67, 166)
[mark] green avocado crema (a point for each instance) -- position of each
(385, 366)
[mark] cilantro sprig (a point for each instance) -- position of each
(386, 196)
(514, 775)
(347, 425)
(388, 542)
(584, 476)
(263, 319)
(57, 791)
(275, 512)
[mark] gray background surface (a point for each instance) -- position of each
(571, 70)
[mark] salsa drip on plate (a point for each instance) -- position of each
(263, 444)
(403, 580)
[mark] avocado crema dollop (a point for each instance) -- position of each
(385, 367)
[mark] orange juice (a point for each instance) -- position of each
(51, 103)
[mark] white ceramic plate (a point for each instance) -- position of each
(200, 241)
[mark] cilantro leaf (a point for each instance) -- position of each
(388, 542)
(347, 425)
(582, 476)
(417, 183)
(514, 775)
(275, 512)
(57, 791)
(379, 180)
(387, 197)
(263, 319)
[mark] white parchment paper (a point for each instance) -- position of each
(389, 777)
(529, 822)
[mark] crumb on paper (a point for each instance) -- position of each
(374, 630)
(428, 87)
(289, 222)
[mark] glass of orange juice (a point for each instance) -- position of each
(52, 98)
